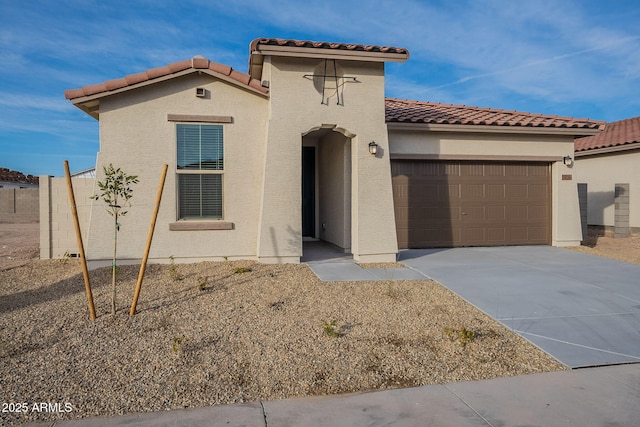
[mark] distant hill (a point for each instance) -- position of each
(7, 175)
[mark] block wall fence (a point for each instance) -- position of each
(19, 204)
(57, 231)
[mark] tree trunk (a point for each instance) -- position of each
(113, 265)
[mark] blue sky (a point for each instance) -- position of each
(564, 57)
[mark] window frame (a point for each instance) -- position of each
(199, 172)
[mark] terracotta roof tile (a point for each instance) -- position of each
(616, 134)
(196, 63)
(7, 175)
(402, 111)
(326, 45)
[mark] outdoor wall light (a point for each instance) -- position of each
(567, 160)
(373, 148)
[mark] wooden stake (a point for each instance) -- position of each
(152, 227)
(83, 260)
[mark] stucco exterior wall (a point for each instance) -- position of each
(334, 178)
(57, 230)
(565, 207)
(136, 135)
(295, 110)
(601, 173)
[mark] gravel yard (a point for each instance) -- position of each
(218, 333)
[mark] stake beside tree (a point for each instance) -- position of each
(116, 192)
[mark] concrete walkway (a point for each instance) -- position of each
(607, 396)
(330, 265)
(582, 309)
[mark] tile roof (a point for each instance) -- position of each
(326, 45)
(196, 63)
(617, 134)
(402, 111)
(7, 175)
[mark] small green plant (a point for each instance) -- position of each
(463, 334)
(116, 193)
(173, 270)
(177, 344)
(202, 283)
(330, 329)
(241, 270)
(393, 292)
(66, 256)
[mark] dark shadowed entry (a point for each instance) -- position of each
(308, 191)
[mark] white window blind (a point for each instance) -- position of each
(200, 148)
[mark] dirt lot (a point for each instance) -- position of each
(603, 244)
(19, 243)
(219, 333)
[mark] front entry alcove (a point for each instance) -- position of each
(326, 186)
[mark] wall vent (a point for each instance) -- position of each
(201, 92)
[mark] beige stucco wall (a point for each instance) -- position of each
(601, 173)
(136, 136)
(334, 186)
(295, 110)
(565, 208)
(57, 230)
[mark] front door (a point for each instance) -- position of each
(308, 192)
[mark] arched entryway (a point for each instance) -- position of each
(326, 186)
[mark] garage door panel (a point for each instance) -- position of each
(538, 234)
(517, 190)
(537, 212)
(516, 169)
(495, 191)
(446, 203)
(540, 191)
(471, 169)
(471, 191)
(494, 169)
(496, 213)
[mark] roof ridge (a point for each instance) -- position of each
(197, 62)
(325, 45)
(411, 111)
(497, 110)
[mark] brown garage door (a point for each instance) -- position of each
(464, 203)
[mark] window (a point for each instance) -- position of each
(200, 169)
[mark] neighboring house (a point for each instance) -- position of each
(85, 173)
(604, 160)
(15, 179)
(306, 146)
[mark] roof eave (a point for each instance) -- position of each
(532, 130)
(323, 53)
(608, 150)
(90, 103)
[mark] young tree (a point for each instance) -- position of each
(115, 192)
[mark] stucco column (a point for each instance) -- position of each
(374, 226)
(567, 230)
(280, 225)
(45, 217)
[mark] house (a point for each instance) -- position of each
(306, 146)
(14, 179)
(604, 161)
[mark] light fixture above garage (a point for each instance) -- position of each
(373, 148)
(567, 160)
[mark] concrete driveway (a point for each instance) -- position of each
(582, 309)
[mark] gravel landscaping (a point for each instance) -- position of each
(227, 332)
